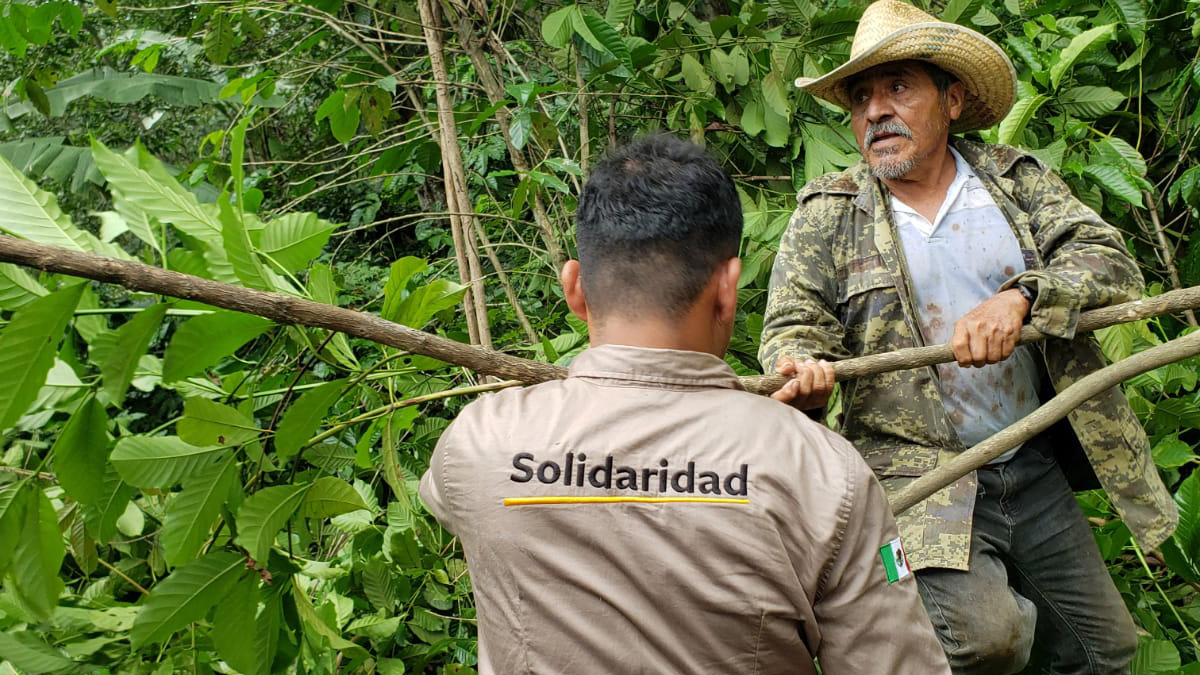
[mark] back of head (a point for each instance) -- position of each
(655, 219)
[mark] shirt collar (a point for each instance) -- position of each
(657, 366)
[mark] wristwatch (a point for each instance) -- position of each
(1027, 293)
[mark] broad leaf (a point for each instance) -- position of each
(12, 519)
(1182, 550)
(48, 158)
(238, 248)
(694, 75)
(202, 341)
(1155, 657)
(1116, 151)
(206, 422)
(26, 650)
(186, 596)
(117, 352)
(1089, 102)
(424, 302)
(27, 348)
(102, 517)
(1171, 452)
(328, 497)
(1078, 45)
(293, 240)
(1115, 182)
(160, 461)
(1132, 14)
(601, 35)
(305, 416)
(378, 585)
(263, 514)
(17, 287)
(775, 94)
(38, 554)
(619, 10)
(192, 512)
(164, 199)
(559, 26)
(1016, 120)
(81, 452)
(32, 213)
(245, 635)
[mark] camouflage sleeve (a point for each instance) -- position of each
(1086, 263)
(800, 318)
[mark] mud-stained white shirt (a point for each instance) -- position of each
(956, 262)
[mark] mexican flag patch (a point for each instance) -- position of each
(894, 561)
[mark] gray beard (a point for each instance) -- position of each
(885, 168)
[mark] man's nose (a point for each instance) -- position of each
(878, 108)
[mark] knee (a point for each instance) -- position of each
(992, 645)
(1114, 650)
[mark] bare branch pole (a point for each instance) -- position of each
(287, 309)
(469, 269)
(1164, 250)
(1182, 300)
(1039, 420)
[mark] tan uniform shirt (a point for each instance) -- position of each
(645, 515)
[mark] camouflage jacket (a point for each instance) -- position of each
(840, 288)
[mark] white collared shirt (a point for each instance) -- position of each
(956, 262)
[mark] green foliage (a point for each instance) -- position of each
(259, 480)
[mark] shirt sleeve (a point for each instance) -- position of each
(868, 623)
(800, 319)
(434, 491)
(1086, 263)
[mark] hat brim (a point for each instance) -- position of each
(984, 69)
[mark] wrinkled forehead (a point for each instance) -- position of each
(886, 71)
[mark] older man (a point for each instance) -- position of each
(933, 239)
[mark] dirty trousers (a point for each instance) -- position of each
(1034, 572)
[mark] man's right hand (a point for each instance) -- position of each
(810, 386)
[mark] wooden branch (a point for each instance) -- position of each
(1171, 302)
(1165, 251)
(1039, 420)
(285, 309)
(463, 234)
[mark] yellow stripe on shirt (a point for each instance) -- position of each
(538, 501)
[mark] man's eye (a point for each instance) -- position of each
(898, 87)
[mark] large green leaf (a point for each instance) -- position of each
(123, 87)
(294, 239)
(245, 635)
(1089, 102)
(164, 199)
(1115, 182)
(694, 75)
(1115, 150)
(775, 94)
(186, 596)
(192, 512)
(601, 35)
(1078, 45)
(238, 248)
(1016, 120)
(1155, 657)
(81, 451)
(48, 158)
(27, 348)
(423, 302)
(102, 517)
(619, 11)
(12, 519)
(1132, 14)
(263, 514)
(1182, 550)
(32, 213)
(206, 422)
(117, 352)
(202, 341)
(305, 416)
(26, 650)
(559, 26)
(329, 496)
(160, 461)
(17, 287)
(37, 554)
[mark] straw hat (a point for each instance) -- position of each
(891, 30)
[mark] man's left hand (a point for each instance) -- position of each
(988, 333)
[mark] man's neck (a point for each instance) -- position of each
(924, 188)
(658, 334)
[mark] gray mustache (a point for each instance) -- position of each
(888, 127)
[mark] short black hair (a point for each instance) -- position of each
(942, 78)
(655, 219)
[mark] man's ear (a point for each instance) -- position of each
(956, 95)
(727, 275)
(572, 284)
